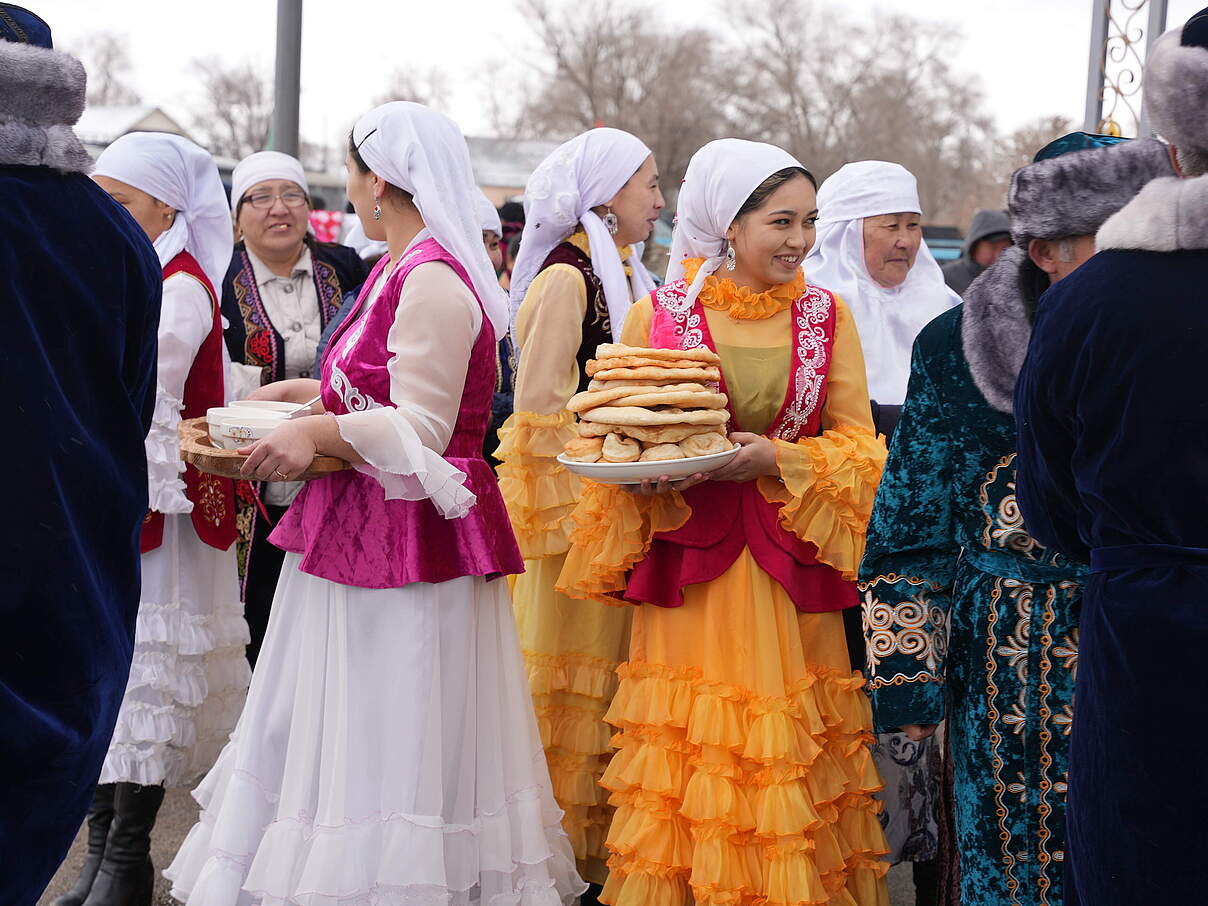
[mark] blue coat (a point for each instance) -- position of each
(80, 307)
(1112, 411)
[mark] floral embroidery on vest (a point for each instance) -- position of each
(354, 400)
(810, 315)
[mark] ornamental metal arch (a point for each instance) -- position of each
(1120, 31)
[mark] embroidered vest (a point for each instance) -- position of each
(728, 517)
(252, 336)
(213, 498)
(597, 326)
(343, 525)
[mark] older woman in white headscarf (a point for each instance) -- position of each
(588, 208)
(742, 774)
(388, 751)
(870, 251)
(189, 675)
(282, 290)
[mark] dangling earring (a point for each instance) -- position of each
(377, 212)
(731, 258)
(611, 223)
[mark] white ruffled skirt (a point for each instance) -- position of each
(388, 754)
(189, 675)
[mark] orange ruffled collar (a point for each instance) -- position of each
(722, 294)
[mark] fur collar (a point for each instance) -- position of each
(995, 328)
(1168, 215)
(43, 96)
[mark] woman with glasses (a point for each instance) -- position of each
(282, 288)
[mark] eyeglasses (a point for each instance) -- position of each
(262, 200)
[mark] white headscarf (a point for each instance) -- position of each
(177, 172)
(888, 319)
(583, 173)
(488, 216)
(720, 178)
(423, 153)
(256, 168)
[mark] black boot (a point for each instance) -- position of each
(100, 815)
(127, 877)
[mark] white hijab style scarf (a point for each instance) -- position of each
(720, 178)
(581, 174)
(424, 153)
(888, 320)
(256, 168)
(177, 172)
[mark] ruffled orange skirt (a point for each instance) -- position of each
(743, 774)
(571, 650)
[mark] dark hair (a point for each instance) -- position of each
(356, 155)
(766, 188)
(514, 245)
(359, 163)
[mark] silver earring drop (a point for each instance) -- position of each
(377, 212)
(731, 258)
(611, 223)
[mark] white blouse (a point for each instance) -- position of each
(435, 327)
(186, 318)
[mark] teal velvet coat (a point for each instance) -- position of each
(969, 618)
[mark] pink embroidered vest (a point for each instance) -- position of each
(728, 517)
(343, 525)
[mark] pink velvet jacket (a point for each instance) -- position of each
(726, 516)
(343, 525)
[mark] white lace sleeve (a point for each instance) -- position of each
(184, 322)
(434, 331)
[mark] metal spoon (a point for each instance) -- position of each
(302, 410)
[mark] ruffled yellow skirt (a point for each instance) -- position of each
(743, 774)
(572, 649)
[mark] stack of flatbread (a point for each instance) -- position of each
(648, 405)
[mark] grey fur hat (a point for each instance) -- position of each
(41, 96)
(1074, 194)
(1176, 84)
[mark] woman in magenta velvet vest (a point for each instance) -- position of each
(388, 750)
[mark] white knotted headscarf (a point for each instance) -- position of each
(177, 172)
(888, 320)
(256, 168)
(720, 178)
(583, 173)
(423, 153)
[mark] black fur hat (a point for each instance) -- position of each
(1176, 84)
(1074, 194)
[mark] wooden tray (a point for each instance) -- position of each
(197, 450)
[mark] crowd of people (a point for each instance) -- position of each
(457, 672)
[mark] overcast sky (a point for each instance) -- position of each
(1030, 55)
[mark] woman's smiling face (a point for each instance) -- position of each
(771, 241)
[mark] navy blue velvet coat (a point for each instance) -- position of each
(80, 308)
(1112, 412)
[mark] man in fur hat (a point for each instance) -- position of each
(967, 617)
(77, 363)
(1113, 470)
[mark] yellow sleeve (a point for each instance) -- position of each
(538, 491)
(613, 528)
(827, 483)
(549, 331)
(636, 331)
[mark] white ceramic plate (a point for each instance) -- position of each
(637, 472)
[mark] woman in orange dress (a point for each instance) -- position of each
(743, 773)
